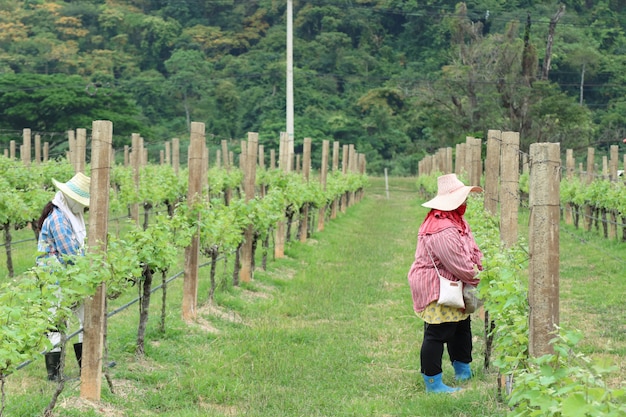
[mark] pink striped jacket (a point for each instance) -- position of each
(457, 257)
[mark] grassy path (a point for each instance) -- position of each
(338, 337)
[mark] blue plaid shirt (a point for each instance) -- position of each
(57, 237)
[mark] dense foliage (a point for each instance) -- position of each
(397, 78)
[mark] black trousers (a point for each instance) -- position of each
(457, 336)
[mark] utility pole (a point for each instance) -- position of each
(290, 128)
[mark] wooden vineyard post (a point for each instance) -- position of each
(228, 193)
(306, 172)
(37, 149)
(509, 188)
(25, 152)
(466, 154)
(242, 156)
(543, 288)
(176, 155)
(362, 169)
(352, 168)
(613, 164)
(263, 187)
(205, 168)
(194, 193)
(335, 203)
(323, 175)
(135, 161)
(283, 159)
(459, 159)
(569, 165)
(509, 205)
(439, 159)
(448, 162)
(492, 171)
(476, 166)
(95, 307)
(71, 145)
(588, 220)
(81, 150)
(249, 180)
(344, 170)
(490, 203)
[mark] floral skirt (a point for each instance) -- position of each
(437, 314)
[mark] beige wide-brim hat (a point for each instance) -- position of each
(451, 193)
(77, 188)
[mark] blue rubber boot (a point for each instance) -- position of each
(435, 384)
(462, 371)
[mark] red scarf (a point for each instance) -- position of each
(437, 220)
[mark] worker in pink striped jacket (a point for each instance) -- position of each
(446, 246)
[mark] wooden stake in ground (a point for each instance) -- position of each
(81, 150)
(25, 152)
(71, 145)
(588, 220)
(475, 149)
(543, 283)
(459, 165)
(509, 188)
(283, 164)
(492, 171)
(323, 175)
(135, 161)
(176, 155)
(95, 307)
(569, 164)
(194, 194)
(335, 203)
(37, 149)
(306, 172)
(249, 180)
(344, 169)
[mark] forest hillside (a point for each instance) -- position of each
(396, 78)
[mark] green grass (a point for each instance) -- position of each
(327, 331)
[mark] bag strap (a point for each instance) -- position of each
(437, 269)
(431, 258)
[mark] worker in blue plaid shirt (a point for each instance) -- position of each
(62, 233)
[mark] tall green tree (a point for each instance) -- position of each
(188, 79)
(58, 102)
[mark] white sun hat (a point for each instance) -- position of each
(77, 188)
(451, 193)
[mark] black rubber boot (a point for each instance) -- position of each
(78, 350)
(53, 362)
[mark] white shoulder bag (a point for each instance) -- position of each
(450, 292)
